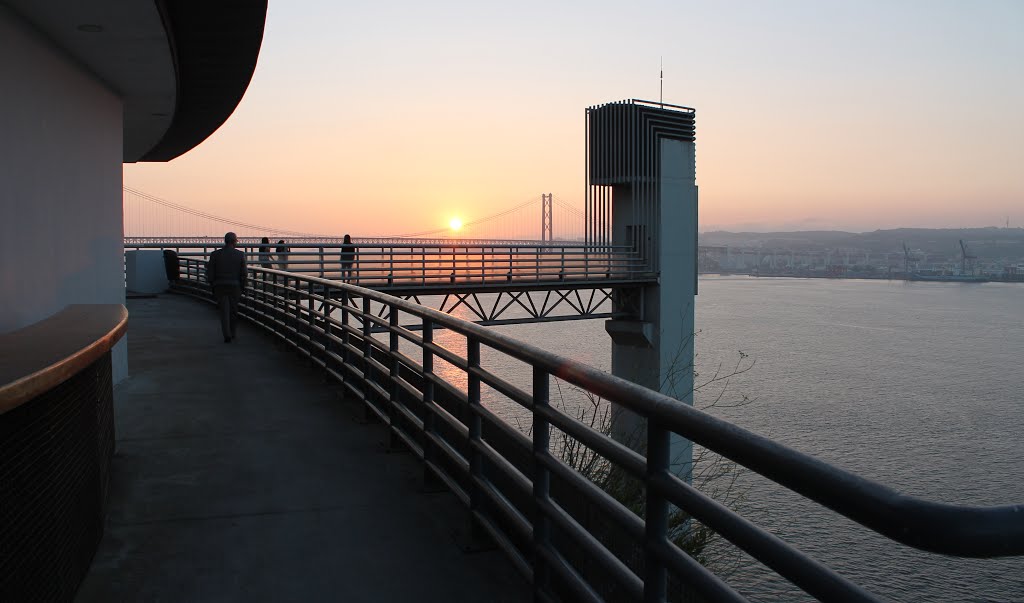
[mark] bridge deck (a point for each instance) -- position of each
(239, 475)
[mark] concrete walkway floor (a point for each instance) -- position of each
(241, 476)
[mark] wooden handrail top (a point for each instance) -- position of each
(41, 356)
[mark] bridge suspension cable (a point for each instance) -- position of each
(471, 223)
(147, 215)
(136, 219)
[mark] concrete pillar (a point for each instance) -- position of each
(653, 347)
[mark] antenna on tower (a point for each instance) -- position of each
(661, 82)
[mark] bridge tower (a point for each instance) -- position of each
(546, 223)
(642, 195)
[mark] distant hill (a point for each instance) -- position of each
(986, 243)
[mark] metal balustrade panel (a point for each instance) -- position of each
(570, 538)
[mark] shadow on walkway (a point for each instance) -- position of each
(241, 476)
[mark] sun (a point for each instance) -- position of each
(455, 223)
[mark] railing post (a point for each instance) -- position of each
(391, 266)
(656, 514)
(476, 459)
(394, 389)
(541, 483)
(368, 392)
(310, 319)
(345, 339)
(321, 262)
(298, 307)
(286, 310)
(429, 478)
(276, 307)
(327, 332)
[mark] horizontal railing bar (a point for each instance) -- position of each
(335, 248)
(452, 485)
(406, 334)
(520, 481)
(408, 414)
(410, 389)
(503, 387)
(447, 355)
(626, 519)
(453, 455)
(517, 559)
(518, 438)
(409, 441)
(406, 362)
(805, 572)
(382, 393)
(381, 369)
(456, 394)
(700, 578)
(595, 550)
(453, 422)
(623, 457)
(509, 511)
(581, 591)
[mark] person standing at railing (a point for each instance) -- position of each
(348, 259)
(282, 255)
(226, 274)
(264, 253)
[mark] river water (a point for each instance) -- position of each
(914, 385)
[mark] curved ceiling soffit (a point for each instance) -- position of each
(214, 46)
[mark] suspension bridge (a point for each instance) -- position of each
(546, 219)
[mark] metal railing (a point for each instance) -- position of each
(439, 266)
(527, 499)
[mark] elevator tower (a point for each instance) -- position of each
(642, 198)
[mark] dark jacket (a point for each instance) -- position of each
(226, 267)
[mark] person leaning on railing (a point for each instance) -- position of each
(226, 274)
(282, 255)
(348, 259)
(264, 253)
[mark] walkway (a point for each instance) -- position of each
(240, 476)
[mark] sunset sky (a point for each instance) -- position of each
(382, 118)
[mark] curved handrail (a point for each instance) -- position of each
(41, 356)
(965, 531)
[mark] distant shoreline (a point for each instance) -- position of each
(860, 277)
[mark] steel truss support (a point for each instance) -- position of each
(517, 307)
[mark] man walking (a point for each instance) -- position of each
(226, 272)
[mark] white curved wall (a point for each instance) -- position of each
(61, 226)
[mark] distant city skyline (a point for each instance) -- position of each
(377, 119)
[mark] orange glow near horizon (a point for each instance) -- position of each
(856, 135)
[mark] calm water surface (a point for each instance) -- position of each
(914, 385)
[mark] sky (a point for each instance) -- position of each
(388, 117)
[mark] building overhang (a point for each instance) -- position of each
(180, 67)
